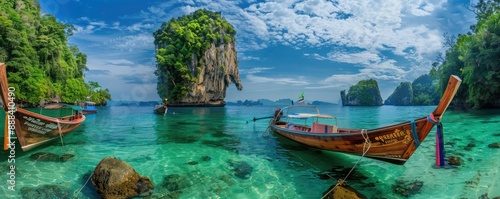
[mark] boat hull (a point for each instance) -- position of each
(160, 110)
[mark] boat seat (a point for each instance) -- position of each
(323, 128)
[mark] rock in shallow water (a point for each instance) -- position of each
(45, 156)
(241, 169)
(115, 178)
(46, 191)
(494, 145)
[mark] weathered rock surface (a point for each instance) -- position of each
(219, 71)
(115, 178)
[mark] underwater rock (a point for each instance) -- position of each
(115, 178)
(192, 162)
(342, 191)
(453, 160)
(206, 158)
(340, 172)
(66, 157)
(407, 188)
(46, 191)
(241, 169)
(494, 145)
(45, 156)
(175, 182)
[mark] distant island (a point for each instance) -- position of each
(267, 102)
(364, 93)
(419, 92)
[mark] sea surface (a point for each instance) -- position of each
(222, 153)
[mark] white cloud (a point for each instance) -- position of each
(133, 42)
(291, 81)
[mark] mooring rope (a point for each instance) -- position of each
(60, 135)
(81, 188)
(366, 147)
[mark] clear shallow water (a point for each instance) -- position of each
(157, 146)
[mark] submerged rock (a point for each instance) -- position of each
(45, 156)
(407, 188)
(176, 182)
(494, 145)
(206, 158)
(46, 191)
(453, 160)
(342, 191)
(241, 169)
(115, 178)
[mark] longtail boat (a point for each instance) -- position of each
(32, 129)
(393, 143)
(88, 107)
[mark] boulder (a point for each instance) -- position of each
(115, 178)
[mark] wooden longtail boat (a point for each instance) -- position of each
(160, 109)
(88, 107)
(394, 143)
(32, 129)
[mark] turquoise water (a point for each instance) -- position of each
(177, 143)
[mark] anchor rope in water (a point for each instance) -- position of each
(366, 148)
(60, 135)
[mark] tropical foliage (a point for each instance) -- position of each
(475, 58)
(402, 96)
(182, 40)
(40, 63)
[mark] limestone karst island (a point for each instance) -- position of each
(196, 59)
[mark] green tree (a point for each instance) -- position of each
(40, 63)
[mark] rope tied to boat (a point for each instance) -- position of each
(366, 148)
(439, 139)
(414, 133)
(60, 135)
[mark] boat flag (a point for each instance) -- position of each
(301, 98)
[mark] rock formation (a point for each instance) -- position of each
(365, 93)
(196, 59)
(115, 178)
(402, 96)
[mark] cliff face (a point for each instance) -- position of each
(402, 96)
(365, 93)
(220, 69)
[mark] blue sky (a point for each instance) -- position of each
(285, 47)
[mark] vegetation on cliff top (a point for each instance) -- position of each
(180, 41)
(40, 63)
(364, 93)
